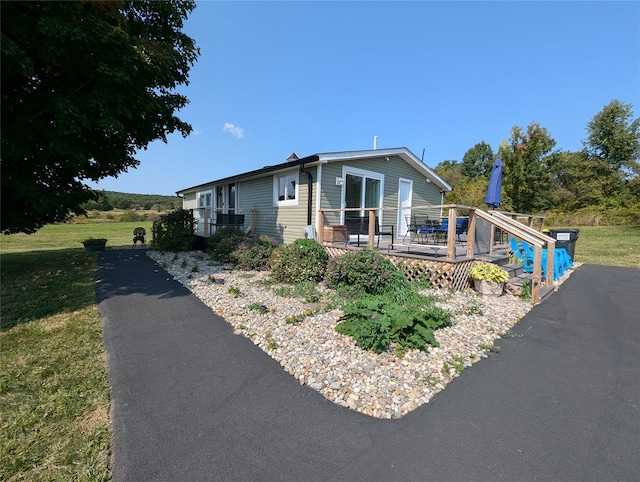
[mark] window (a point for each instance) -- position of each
(286, 189)
(204, 200)
(363, 189)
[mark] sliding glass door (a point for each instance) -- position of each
(363, 189)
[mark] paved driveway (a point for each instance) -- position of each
(194, 402)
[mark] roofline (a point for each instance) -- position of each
(403, 152)
(326, 157)
(257, 173)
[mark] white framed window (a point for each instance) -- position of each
(285, 189)
(204, 199)
(362, 189)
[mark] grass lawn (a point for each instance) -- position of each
(54, 395)
(57, 236)
(609, 245)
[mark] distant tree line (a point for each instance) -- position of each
(109, 200)
(604, 175)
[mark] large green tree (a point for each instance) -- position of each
(613, 148)
(477, 161)
(526, 180)
(85, 85)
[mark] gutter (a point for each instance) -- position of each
(309, 194)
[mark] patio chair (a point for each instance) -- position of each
(358, 226)
(516, 249)
(138, 235)
(558, 261)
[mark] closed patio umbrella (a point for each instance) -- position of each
(493, 198)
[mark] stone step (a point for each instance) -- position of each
(517, 282)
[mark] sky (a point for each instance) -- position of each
(435, 77)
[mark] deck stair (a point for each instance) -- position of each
(517, 277)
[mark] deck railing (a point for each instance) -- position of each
(507, 222)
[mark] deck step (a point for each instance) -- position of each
(517, 282)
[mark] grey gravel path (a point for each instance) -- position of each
(192, 401)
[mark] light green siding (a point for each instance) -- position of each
(284, 223)
(394, 169)
(189, 201)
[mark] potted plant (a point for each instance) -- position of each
(94, 244)
(488, 278)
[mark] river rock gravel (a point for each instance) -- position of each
(302, 338)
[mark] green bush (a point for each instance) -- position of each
(376, 321)
(174, 231)
(254, 253)
(224, 242)
(303, 260)
(364, 271)
(133, 217)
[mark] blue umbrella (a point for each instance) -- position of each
(495, 185)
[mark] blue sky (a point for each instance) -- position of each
(308, 77)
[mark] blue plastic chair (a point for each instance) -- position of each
(516, 249)
(558, 261)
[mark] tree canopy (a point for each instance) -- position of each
(85, 85)
(613, 148)
(526, 180)
(478, 160)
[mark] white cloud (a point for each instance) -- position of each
(237, 132)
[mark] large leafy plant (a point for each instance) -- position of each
(377, 321)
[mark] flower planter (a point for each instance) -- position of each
(488, 288)
(94, 245)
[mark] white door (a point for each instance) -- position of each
(405, 192)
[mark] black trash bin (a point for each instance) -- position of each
(566, 238)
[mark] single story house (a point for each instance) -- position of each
(283, 200)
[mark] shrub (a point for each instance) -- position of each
(254, 253)
(303, 260)
(133, 217)
(364, 271)
(374, 322)
(224, 242)
(174, 231)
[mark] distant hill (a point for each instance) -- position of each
(121, 200)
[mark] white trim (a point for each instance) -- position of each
(276, 188)
(363, 173)
(404, 210)
(318, 184)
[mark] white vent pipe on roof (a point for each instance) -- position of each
(375, 141)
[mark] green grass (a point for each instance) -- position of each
(59, 236)
(54, 395)
(609, 245)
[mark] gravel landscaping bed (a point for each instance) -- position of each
(302, 338)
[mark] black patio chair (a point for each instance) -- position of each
(138, 235)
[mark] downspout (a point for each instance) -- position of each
(310, 194)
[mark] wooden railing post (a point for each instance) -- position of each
(471, 233)
(321, 227)
(372, 228)
(551, 248)
(536, 276)
(451, 235)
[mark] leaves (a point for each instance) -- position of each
(374, 322)
(84, 86)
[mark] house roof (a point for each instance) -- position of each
(326, 157)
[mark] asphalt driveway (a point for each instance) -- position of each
(192, 401)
